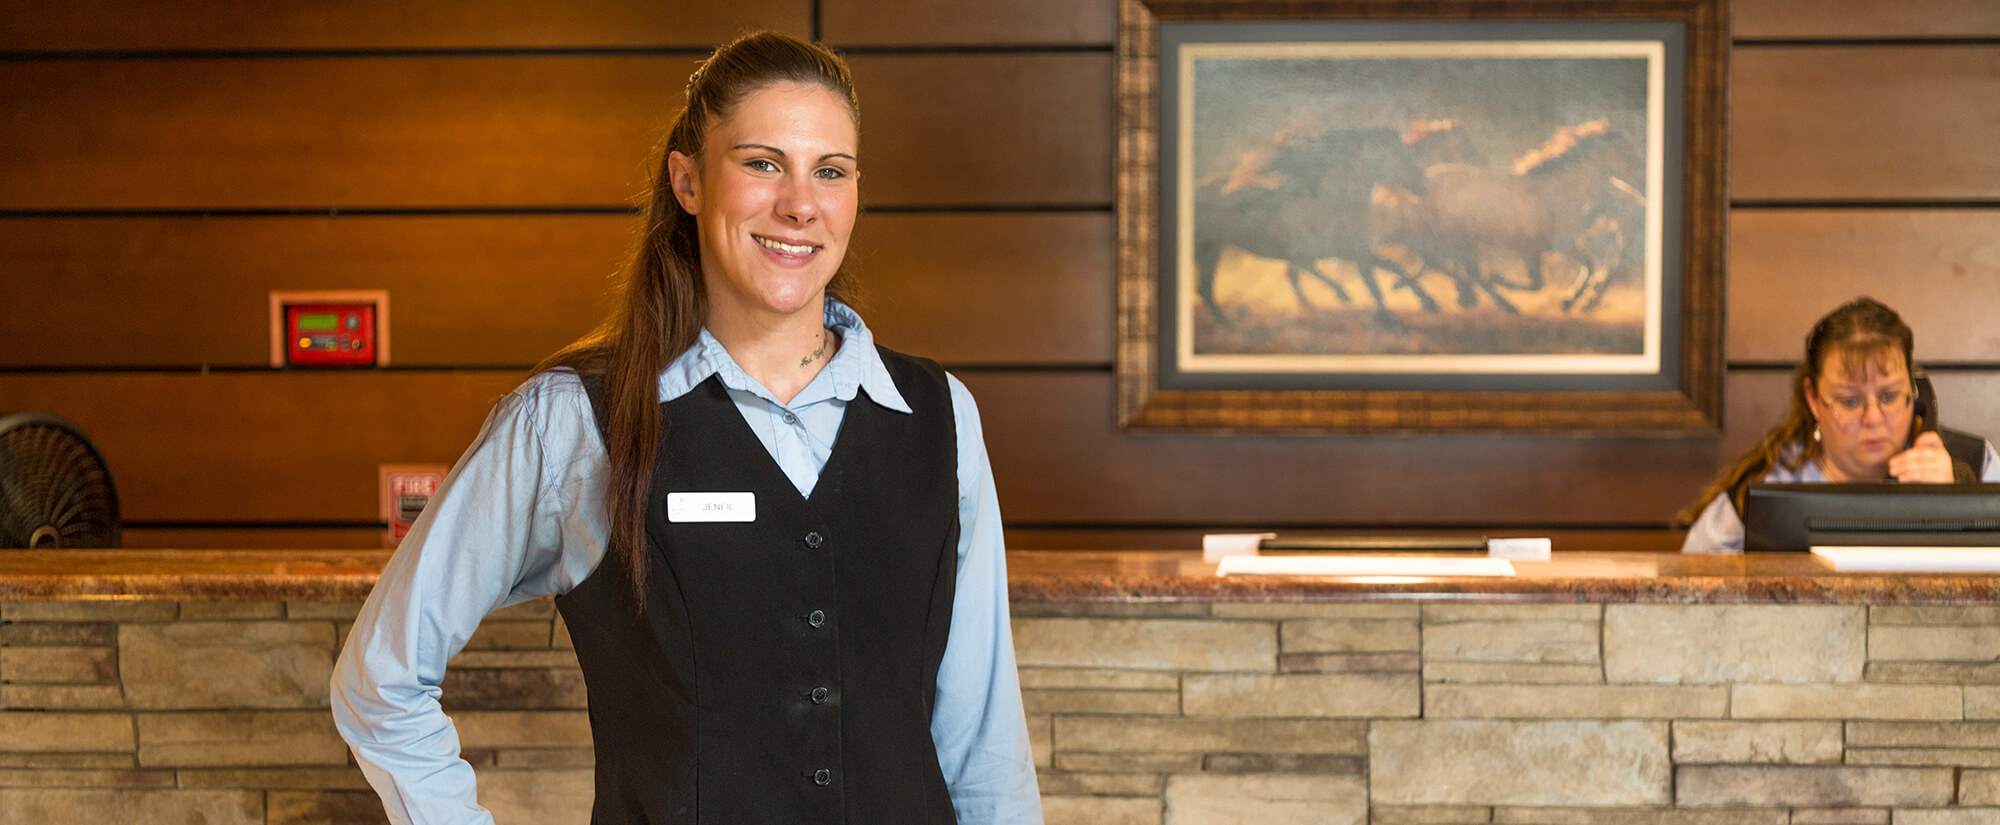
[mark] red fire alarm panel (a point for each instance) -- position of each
(330, 329)
(330, 335)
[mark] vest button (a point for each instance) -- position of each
(819, 696)
(814, 539)
(822, 777)
(816, 618)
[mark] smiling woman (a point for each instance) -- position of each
(1852, 419)
(775, 545)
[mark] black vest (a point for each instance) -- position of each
(783, 670)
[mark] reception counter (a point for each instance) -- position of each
(184, 687)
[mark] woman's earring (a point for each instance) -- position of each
(1815, 434)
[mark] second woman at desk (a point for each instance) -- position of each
(1853, 418)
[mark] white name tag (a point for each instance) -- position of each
(690, 507)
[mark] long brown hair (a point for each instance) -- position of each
(662, 297)
(1863, 331)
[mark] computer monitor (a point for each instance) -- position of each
(1803, 516)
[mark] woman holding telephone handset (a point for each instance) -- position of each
(1857, 415)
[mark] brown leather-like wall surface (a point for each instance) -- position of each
(164, 167)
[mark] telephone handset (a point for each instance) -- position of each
(1924, 409)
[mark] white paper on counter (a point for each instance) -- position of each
(1219, 546)
(1348, 566)
(1911, 559)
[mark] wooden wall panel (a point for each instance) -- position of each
(1939, 268)
(986, 129)
(202, 25)
(990, 288)
(263, 446)
(250, 538)
(1854, 123)
(1863, 19)
(929, 22)
(503, 289)
(1059, 458)
(463, 290)
(439, 131)
(1967, 401)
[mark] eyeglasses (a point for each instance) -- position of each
(1850, 407)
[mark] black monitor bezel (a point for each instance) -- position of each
(1880, 514)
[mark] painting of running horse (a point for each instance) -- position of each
(1420, 207)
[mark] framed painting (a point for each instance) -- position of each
(1421, 216)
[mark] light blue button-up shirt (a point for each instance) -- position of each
(522, 517)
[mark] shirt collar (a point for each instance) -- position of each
(857, 366)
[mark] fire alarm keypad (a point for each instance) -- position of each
(330, 335)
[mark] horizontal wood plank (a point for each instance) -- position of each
(1862, 19)
(203, 25)
(250, 538)
(1864, 123)
(980, 288)
(550, 131)
(933, 22)
(303, 447)
(1940, 269)
(986, 129)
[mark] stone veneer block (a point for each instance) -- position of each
(1798, 743)
(542, 608)
(302, 779)
(1521, 642)
(492, 635)
(1158, 644)
(1102, 784)
(1954, 816)
(1978, 787)
(1284, 763)
(66, 732)
(1840, 816)
(1856, 701)
(1100, 810)
(512, 689)
(130, 807)
(211, 739)
(1933, 673)
(1442, 701)
(59, 634)
(1140, 702)
(46, 760)
(1405, 662)
(322, 807)
(84, 778)
(1924, 756)
(1314, 610)
(559, 637)
(1627, 816)
(1932, 643)
(92, 611)
(1982, 702)
(1199, 799)
(1708, 644)
(330, 611)
(1373, 695)
(1429, 815)
(1347, 635)
(231, 610)
(1155, 763)
(542, 759)
(1448, 612)
(539, 797)
(226, 664)
(61, 697)
(1169, 734)
(1111, 610)
(1815, 786)
(1563, 763)
(1923, 734)
(1890, 614)
(523, 729)
(1085, 678)
(1041, 738)
(58, 664)
(1512, 674)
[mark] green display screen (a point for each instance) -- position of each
(318, 321)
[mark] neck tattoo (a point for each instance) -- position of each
(823, 339)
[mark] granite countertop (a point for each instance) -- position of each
(1053, 576)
